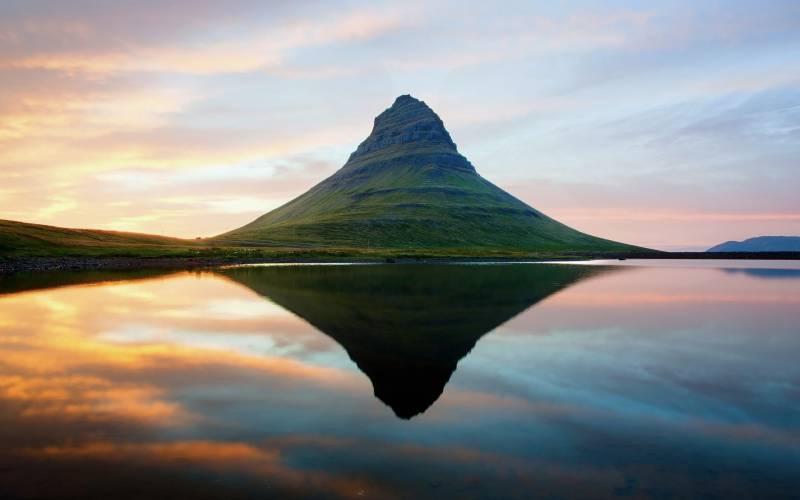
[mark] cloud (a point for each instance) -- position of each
(93, 47)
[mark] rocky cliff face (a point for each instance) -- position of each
(408, 122)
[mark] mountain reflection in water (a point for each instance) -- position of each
(511, 381)
(406, 327)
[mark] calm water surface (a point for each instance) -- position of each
(666, 380)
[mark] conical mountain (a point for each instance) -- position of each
(407, 187)
(406, 327)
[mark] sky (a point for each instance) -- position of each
(673, 125)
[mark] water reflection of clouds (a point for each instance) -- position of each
(80, 369)
(215, 314)
(657, 388)
(673, 358)
(88, 398)
(66, 330)
(327, 467)
(260, 461)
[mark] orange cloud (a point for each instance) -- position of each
(89, 399)
(244, 53)
(63, 356)
(242, 458)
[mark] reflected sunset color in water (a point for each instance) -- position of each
(570, 380)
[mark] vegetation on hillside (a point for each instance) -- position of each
(21, 240)
(407, 188)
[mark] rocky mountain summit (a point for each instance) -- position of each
(408, 122)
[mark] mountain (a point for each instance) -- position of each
(760, 244)
(406, 327)
(407, 187)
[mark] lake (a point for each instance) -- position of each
(661, 379)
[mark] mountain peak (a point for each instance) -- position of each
(409, 124)
(406, 99)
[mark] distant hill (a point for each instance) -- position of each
(407, 187)
(20, 238)
(760, 244)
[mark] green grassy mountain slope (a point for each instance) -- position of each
(23, 239)
(407, 187)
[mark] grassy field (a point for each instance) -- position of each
(19, 239)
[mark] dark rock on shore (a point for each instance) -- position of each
(89, 263)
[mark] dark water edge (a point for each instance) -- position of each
(35, 264)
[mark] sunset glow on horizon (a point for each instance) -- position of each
(671, 125)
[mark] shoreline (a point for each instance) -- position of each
(10, 265)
